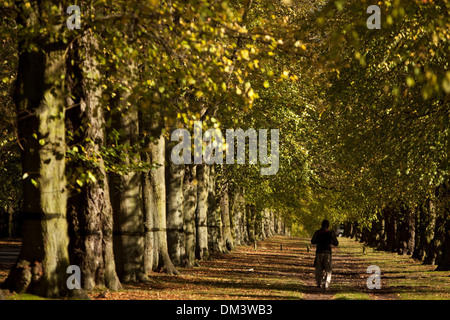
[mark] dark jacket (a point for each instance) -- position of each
(324, 239)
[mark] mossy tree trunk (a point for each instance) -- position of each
(40, 100)
(251, 222)
(382, 241)
(391, 229)
(202, 251)
(225, 213)
(215, 238)
(189, 207)
(175, 211)
(154, 194)
(237, 209)
(126, 188)
(90, 212)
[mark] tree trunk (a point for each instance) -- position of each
(348, 229)
(225, 212)
(365, 235)
(150, 244)
(429, 246)
(358, 232)
(128, 220)
(189, 207)
(269, 223)
(436, 244)
(244, 221)
(236, 216)
(10, 220)
(391, 230)
(264, 225)
(354, 230)
(90, 213)
(40, 100)
(411, 228)
(272, 222)
(443, 260)
(157, 254)
(126, 189)
(382, 240)
(175, 220)
(215, 236)
(251, 219)
(202, 251)
(422, 222)
(259, 224)
(407, 231)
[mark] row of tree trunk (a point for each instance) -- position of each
(117, 227)
(9, 222)
(421, 231)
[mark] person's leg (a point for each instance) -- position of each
(319, 269)
(327, 267)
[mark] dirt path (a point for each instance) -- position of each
(281, 268)
(9, 250)
(349, 277)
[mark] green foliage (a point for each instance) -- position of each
(382, 127)
(363, 114)
(10, 162)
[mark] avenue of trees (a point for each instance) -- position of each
(86, 118)
(384, 125)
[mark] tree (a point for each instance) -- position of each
(39, 97)
(189, 209)
(90, 214)
(175, 210)
(202, 249)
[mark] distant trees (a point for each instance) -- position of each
(383, 125)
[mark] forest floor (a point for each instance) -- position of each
(282, 268)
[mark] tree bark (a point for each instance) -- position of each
(215, 236)
(391, 230)
(126, 189)
(382, 241)
(411, 228)
(39, 97)
(156, 252)
(272, 222)
(90, 213)
(225, 215)
(266, 223)
(189, 207)
(429, 253)
(150, 203)
(422, 221)
(348, 229)
(435, 249)
(251, 222)
(10, 221)
(202, 251)
(443, 261)
(175, 211)
(236, 217)
(406, 231)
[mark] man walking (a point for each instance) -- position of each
(323, 239)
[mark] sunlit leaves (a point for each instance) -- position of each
(388, 101)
